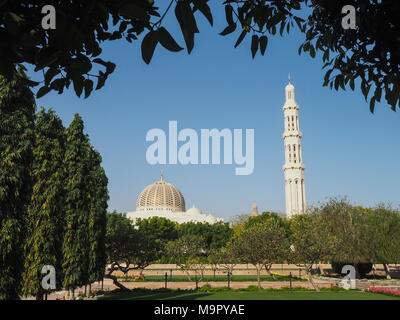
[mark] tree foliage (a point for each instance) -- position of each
(158, 228)
(72, 53)
(98, 197)
(17, 107)
(127, 247)
(261, 244)
(76, 238)
(187, 251)
(384, 230)
(369, 54)
(309, 243)
(46, 210)
(215, 235)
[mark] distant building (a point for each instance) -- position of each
(254, 211)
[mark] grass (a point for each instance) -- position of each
(208, 278)
(245, 295)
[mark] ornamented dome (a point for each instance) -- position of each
(161, 195)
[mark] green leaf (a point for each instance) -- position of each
(241, 37)
(341, 82)
(167, 41)
(254, 45)
(149, 44)
(204, 9)
(365, 89)
(58, 85)
(78, 85)
(312, 51)
(42, 91)
(88, 85)
(337, 80)
(263, 44)
(378, 94)
(352, 83)
(187, 23)
(282, 27)
(298, 21)
(300, 48)
(372, 105)
(229, 29)
(327, 77)
(50, 74)
(326, 55)
(229, 14)
(133, 11)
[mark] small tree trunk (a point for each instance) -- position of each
(141, 276)
(67, 294)
(73, 294)
(311, 280)
(258, 276)
(90, 289)
(39, 296)
(268, 270)
(321, 269)
(85, 291)
(188, 275)
(387, 271)
(102, 284)
(115, 281)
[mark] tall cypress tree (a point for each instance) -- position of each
(46, 210)
(76, 237)
(17, 108)
(98, 217)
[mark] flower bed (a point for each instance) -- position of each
(383, 290)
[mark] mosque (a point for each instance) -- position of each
(162, 199)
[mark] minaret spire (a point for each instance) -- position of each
(289, 77)
(294, 167)
(162, 175)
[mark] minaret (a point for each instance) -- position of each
(294, 167)
(254, 211)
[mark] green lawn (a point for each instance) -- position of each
(254, 295)
(223, 278)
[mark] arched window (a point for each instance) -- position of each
(299, 153)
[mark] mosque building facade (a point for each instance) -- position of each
(163, 199)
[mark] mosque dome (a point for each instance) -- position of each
(161, 195)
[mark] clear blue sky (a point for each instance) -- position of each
(346, 149)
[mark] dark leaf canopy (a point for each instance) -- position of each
(72, 53)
